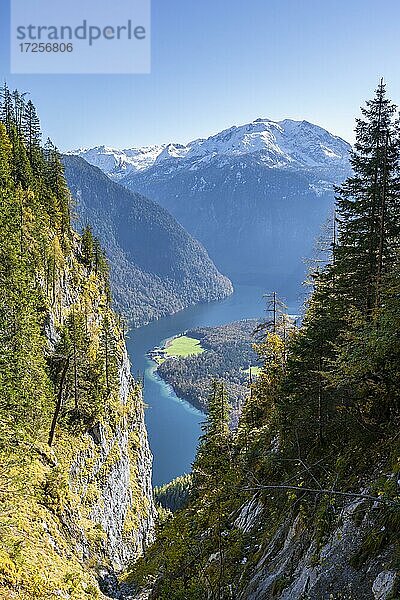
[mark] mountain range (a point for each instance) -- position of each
(273, 178)
(278, 144)
(157, 268)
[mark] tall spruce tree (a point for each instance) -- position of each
(55, 181)
(5, 157)
(19, 107)
(368, 205)
(87, 247)
(109, 352)
(32, 136)
(7, 109)
(213, 453)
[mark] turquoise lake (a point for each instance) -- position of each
(173, 425)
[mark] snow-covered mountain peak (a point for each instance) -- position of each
(172, 151)
(276, 144)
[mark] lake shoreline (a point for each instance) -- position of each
(186, 403)
(158, 355)
(173, 423)
(190, 361)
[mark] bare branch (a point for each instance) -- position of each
(324, 491)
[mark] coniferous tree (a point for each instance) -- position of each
(272, 336)
(348, 290)
(18, 101)
(109, 353)
(5, 157)
(100, 262)
(55, 181)
(213, 454)
(32, 136)
(21, 169)
(24, 387)
(368, 205)
(7, 110)
(88, 252)
(310, 401)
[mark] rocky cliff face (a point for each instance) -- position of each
(85, 510)
(115, 468)
(298, 564)
(109, 517)
(75, 466)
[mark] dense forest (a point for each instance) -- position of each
(173, 495)
(228, 354)
(62, 407)
(302, 500)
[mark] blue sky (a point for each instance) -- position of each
(216, 63)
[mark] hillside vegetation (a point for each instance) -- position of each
(71, 417)
(303, 500)
(175, 494)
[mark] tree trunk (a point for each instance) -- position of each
(59, 402)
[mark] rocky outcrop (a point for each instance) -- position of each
(115, 470)
(295, 564)
(108, 518)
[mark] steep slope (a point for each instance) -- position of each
(340, 562)
(302, 501)
(75, 478)
(274, 179)
(157, 268)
